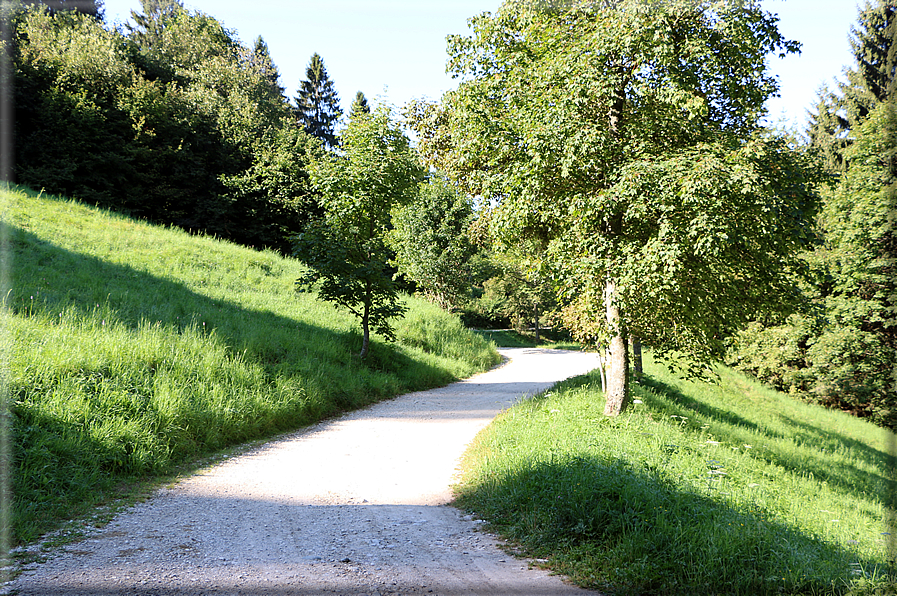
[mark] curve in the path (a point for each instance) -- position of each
(353, 506)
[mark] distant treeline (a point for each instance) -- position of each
(170, 119)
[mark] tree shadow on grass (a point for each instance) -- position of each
(612, 526)
(729, 426)
(313, 370)
(60, 279)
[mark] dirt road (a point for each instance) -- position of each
(351, 506)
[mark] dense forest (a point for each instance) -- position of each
(772, 251)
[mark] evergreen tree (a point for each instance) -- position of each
(843, 352)
(873, 47)
(147, 30)
(869, 83)
(317, 104)
(828, 130)
(359, 105)
(854, 359)
(264, 65)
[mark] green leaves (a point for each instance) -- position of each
(621, 136)
(375, 172)
(431, 242)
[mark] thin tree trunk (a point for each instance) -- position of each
(636, 345)
(366, 324)
(536, 316)
(617, 394)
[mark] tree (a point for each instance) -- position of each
(856, 354)
(840, 352)
(522, 290)
(260, 59)
(317, 104)
(871, 81)
(626, 139)
(375, 172)
(359, 105)
(431, 242)
(175, 129)
(148, 25)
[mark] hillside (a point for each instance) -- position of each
(136, 347)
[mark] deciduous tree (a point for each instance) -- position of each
(625, 136)
(375, 172)
(431, 242)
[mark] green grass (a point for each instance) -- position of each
(136, 348)
(509, 338)
(726, 488)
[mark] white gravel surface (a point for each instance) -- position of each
(352, 506)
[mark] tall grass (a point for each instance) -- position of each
(137, 347)
(726, 488)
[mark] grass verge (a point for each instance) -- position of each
(135, 348)
(726, 488)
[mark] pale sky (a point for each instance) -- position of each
(395, 49)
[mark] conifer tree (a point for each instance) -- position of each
(871, 81)
(317, 105)
(844, 354)
(147, 30)
(828, 130)
(873, 47)
(359, 105)
(261, 60)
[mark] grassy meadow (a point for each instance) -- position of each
(134, 347)
(699, 488)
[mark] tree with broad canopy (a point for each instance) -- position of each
(623, 135)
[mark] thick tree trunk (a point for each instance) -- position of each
(617, 394)
(636, 345)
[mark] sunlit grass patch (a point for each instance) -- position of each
(137, 347)
(699, 488)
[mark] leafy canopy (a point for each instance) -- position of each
(374, 172)
(431, 242)
(623, 135)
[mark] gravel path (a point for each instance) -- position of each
(350, 506)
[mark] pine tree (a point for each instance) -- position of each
(317, 104)
(872, 44)
(845, 355)
(359, 105)
(262, 62)
(871, 81)
(147, 30)
(828, 130)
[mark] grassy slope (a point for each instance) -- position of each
(725, 488)
(136, 347)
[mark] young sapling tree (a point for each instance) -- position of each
(373, 172)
